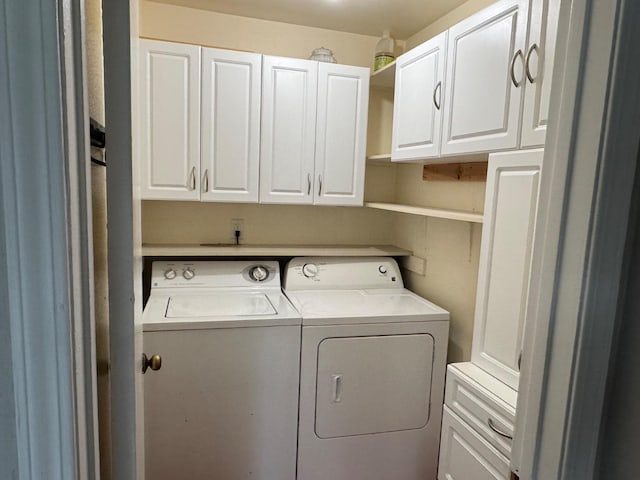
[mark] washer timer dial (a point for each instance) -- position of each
(310, 270)
(259, 273)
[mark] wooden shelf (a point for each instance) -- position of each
(385, 77)
(428, 212)
(174, 250)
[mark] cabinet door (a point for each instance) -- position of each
(539, 64)
(417, 108)
(169, 76)
(224, 405)
(289, 91)
(505, 262)
(341, 137)
(465, 455)
(231, 88)
(485, 76)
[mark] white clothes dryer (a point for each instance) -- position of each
(372, 371)
(224, 403)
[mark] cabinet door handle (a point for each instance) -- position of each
(205, 181)
(513, 66)
(308, 184)
(520, 360)
(437, 90)
(527, 70)
(319, 185)
(192, 180)
(498, 431)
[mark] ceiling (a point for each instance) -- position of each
(368, 17)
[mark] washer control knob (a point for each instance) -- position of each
(310, 270)
(169, 274)
(188, 274)
(259, 273)
(382, 269)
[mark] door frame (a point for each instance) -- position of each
(120, 43)
(583, 216)
(579, 254)
(48, 405)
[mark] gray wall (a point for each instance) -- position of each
(620, 442)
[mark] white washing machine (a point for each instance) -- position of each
(372, 371)
(224, 404)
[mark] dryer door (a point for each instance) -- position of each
(373, 384)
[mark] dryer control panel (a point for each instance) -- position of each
(325, 273)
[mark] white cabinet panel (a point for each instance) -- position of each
(465, 455)
(484, 79)
(288, 130)
(231, 88)
(505, 261)
(224, 405)
(478, 403)
(169, 77)
(543, 29)
(417, 108)
(357, 385)
(341, 138)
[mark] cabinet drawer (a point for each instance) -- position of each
(481, 403)
(465, 455)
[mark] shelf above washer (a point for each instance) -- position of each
(175, 250)
(428, 211)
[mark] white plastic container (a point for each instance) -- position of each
(384, 51)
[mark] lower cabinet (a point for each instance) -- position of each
(465, 455)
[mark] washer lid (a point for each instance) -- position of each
(205, 309)
(218, 305)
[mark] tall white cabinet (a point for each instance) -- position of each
(485, 79)
(481, 395)
(169, 128)
(314, 123)
(417, 105)
(513, 181)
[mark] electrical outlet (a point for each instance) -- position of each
(237, 224)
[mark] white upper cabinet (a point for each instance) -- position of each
(341, 134)
(485, 79)
(289, 92)
(417, 109)
(314, 124)
(230, 140)
(505, 262)
(539, 58)
(169, 133)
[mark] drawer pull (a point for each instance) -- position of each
(498, 431)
